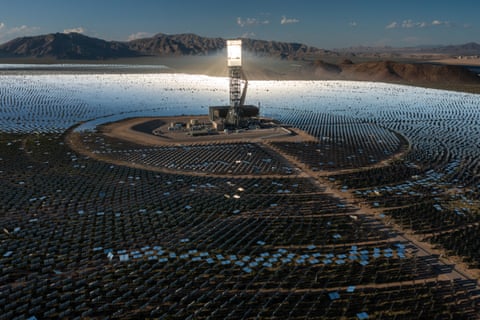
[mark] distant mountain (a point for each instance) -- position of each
(66, 46)
(77, 46)
(74, 46)
(468, 49)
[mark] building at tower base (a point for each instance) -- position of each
(247, 116)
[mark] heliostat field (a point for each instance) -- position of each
(374, 217)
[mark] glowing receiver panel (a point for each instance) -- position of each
(234, 53)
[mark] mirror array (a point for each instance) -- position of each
(84, 238)
(241, 158)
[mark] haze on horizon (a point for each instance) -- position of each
(332, 24)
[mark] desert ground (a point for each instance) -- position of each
(461, 62)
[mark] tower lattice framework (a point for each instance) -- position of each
(233, 116)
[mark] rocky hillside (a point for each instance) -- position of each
(284, 50)
(176, 45)
(66, 46)
(389, 71)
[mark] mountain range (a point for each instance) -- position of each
(75, 46)
(267, 60)
(467, 49)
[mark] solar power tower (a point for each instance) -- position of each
(237, 97)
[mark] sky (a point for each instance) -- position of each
(323, 24)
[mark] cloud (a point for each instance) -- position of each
(250, 22)
(139, 35)
(286, 20)
(410, 24)
(20, 31)
(353, 24)
(74, 30)
(441, 23)
(392, 25)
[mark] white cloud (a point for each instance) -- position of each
(74, 30)
(22, 29)
(409, 24)
(286, 20)
(441, 23)
(353, 24)
(139, 35)
(250, 22)
(392, 25)
(14, 32)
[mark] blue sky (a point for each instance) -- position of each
(324, 24)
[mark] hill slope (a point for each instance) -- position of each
(177, 45)
(66, 46)
(389, 71)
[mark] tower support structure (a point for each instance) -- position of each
(235, 74)
(236, 115)
(234, 63)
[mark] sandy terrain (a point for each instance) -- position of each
(123, 130)
(459, 62)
